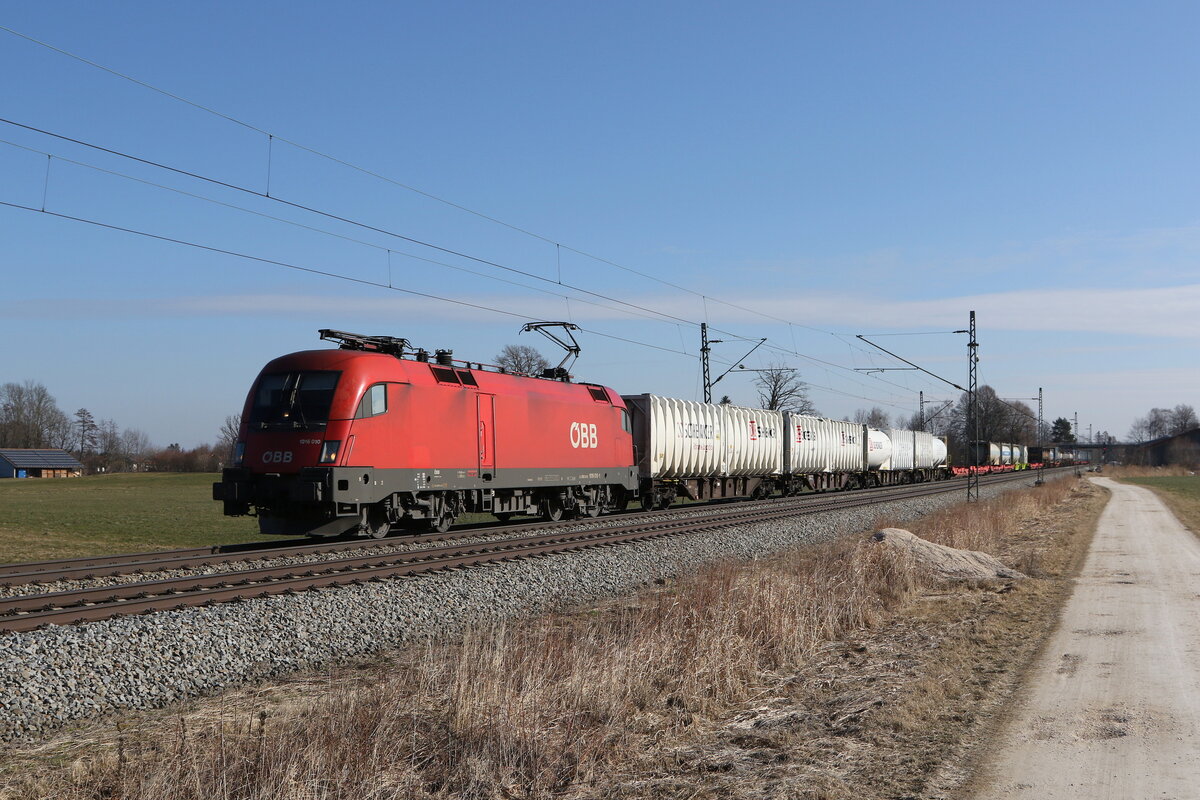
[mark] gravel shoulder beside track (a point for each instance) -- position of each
(53, 676)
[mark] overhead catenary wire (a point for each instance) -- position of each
(321, 272)
(272, 136)
(376, 284)
(312, 228)
(403, 237)
(331, 215)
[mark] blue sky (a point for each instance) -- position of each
(798, 171)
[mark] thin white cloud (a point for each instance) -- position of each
(1172, 312)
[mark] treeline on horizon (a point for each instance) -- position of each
(30, 418)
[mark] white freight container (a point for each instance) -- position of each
(902, 449)
(753, 441)
(926, 449)
(825, 445)
(1020, 454)
(1006, 453)
(915, 450)
(684, 439)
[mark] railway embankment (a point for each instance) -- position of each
(55, 676)
(824, 671)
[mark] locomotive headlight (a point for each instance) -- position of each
(239, 454)
(329, 451)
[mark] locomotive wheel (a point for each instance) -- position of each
(595, 501)
(504, 516)
(376, 524)
(552, 509)
(649, 502)
(442, 524)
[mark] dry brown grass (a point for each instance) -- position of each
(1132, 471)
(641, 698)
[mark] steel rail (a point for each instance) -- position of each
(31, 612)
(133, 563)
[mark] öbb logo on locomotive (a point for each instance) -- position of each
(376, 435)
(583, 434)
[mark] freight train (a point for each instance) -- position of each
(989, 457)
(375, 436)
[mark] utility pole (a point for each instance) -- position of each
(1075, 430)
(704, 348)
(1041, 444)
(972, 412)
(921, 412)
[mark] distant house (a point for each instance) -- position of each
(39, 464)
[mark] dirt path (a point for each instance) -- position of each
(1112, 710)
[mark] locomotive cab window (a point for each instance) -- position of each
(625, 424)
(293, 400)
(374, 402)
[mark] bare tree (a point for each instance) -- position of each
(29, 417)
(228, 437)
(1160, 422)
(135, 448)
(998, 421)
(522, 359)
(875, 418)
(1182, 418)
(780, 389)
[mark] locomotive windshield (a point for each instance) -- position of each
(293, 400)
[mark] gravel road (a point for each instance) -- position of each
(1112, 709)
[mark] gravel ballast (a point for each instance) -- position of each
(52, 676)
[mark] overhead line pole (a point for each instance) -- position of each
(972, 412)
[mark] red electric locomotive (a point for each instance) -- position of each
(374, 435)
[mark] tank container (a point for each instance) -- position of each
(879, 449)
(939, 451)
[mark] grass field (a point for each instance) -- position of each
(1180, 492)
(100, 514)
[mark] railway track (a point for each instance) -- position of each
(30, 612)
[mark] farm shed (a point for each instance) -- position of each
(1182, 449)
(39, 464)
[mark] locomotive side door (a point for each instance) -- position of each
(487, 433)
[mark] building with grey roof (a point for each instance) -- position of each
(27, 463)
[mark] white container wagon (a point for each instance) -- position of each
(824, 454)
(704, 450)
(917, 456)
